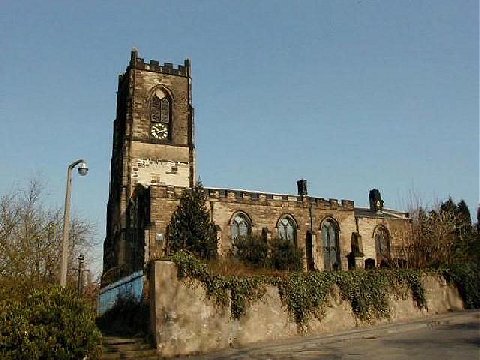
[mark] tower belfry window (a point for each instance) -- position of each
(160, 115)
(160, 108)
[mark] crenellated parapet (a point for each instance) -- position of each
(155, 66)
(260, 198)
(153, 163)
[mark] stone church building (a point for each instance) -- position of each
(153, 161)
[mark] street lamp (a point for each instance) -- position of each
(82, 170)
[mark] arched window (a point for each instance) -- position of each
(240, 225)
(331, 250)
(160, 115)
(287, 229)
(382, 245)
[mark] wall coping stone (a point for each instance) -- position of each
(262, 198)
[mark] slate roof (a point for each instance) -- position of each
(385, 213)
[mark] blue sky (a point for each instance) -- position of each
(351, 95)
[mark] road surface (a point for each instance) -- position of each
(449, 336)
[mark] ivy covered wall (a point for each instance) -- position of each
(193, 311)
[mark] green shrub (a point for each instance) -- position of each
(466, 277)
(190, 226)
(252, 250)
(128, 316)
(51, 323)
(284, 255)
(277, 254)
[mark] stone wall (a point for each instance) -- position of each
(265, 209)
(154, 161)
(167, 166)
(184, 321)
(154, 171)
(138, 158)
(397, 228)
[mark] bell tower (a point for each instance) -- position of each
(153, 141)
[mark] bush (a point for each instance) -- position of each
(466, 278)
(190, 226)
(278, 254)
(252, 250)
(285, 255)
(51, 323)
(128, 316)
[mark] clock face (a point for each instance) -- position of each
(159, 131)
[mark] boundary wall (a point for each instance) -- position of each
(129, 286)
(184, 321)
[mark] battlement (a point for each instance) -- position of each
(153, 65)
(249, 197)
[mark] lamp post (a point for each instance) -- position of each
(82, 170)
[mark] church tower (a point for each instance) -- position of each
(153, 142)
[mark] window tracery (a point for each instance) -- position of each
(240, 226)
(160, 107)
(160, 115)
(287, 229)
(331, 250)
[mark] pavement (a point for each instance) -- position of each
(454, 335)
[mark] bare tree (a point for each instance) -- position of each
(30, 238)
(440, 235)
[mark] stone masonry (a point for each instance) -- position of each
(139, 158)
(184, 320)
(153, 162)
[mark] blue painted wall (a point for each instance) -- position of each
(130, 286)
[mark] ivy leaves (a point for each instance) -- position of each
(306, 295)
(242, 290)
(368, 293)
(466, 278)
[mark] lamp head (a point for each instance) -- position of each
(82, 168)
